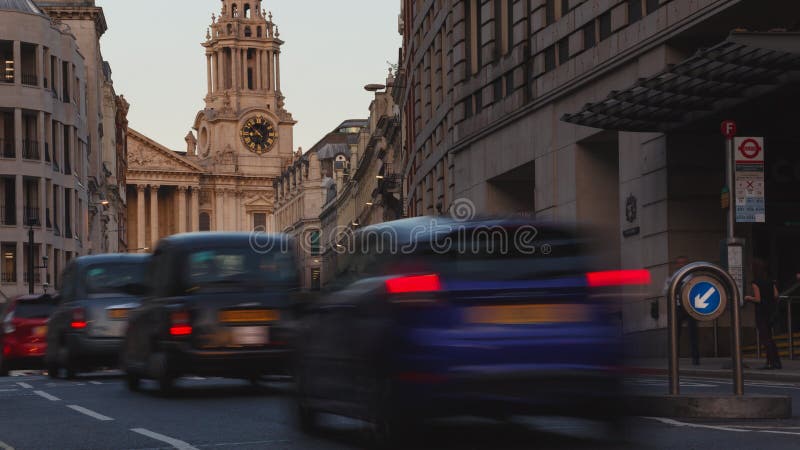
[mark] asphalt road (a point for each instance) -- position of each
(97, 412)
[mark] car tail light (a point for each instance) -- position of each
(414, 284)
(180, 324)
(619, 278)
(78, 319)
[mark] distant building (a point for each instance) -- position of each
(239, 144)
(608, 113)
(366, 186)
(44, 171)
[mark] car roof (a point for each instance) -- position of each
(110, 258)
(426, 228)
(32, 298)
(222, 239)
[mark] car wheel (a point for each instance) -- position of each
(66, 361)
(51, 365)
(160, 368)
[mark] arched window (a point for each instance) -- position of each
(248, 32)
(247, 10)
(205, 222)
(230, 29)
(258, 32)
(235, 10)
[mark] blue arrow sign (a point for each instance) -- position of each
(705, 298)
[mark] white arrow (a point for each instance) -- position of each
(701, 302)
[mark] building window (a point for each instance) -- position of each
(9, 250)
(497, 87)
(510, 83)
(7, 59)
(605, 26)
(550, 58)
(468, 109)
(205, 222)
(314, 243)
(564, 7)
(478, 101)
(7, 134)
(8, 201)
(31, 199)
(589, 35)
(30, 75)
(652, 6)
(563, 51)
(634, 11)
(260, 222)
(550, 12)
(65, 81)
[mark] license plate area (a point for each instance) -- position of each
(527, 314)
(248, 316)
(249, 336)
(39, 332)
(118, 314)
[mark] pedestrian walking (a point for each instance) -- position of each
(765, 297)
(683, 316)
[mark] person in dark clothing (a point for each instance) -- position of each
(765, 297)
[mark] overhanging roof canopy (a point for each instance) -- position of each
(742, 67)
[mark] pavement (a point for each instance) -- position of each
(718, 368)
(96, 411)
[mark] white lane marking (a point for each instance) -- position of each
(9, 390)
(676, 423)
(25, 385)
(47, 396)
(89, 413)
(5, 446)
(779, 432)
(178, 444)
(95, 382)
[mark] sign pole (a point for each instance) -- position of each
(729, 130)
(672, 320)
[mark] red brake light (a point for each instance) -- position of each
(619, 278)
(411, 284)
(179, 324)
(78, 319)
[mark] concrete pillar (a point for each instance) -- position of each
(17, 62)
(182, 209)
(19, 197)
(218, 63)
(18, 133)
(208, 73)
(270, 83)
(43, 202)
(40, 65)
(257, 75)
(195, 214)
(219, 210)
(153, 215)
(278, 71)
(140, 217)
(40, 133)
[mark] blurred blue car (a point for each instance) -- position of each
(434, 317)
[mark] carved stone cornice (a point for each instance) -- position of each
(65, 12)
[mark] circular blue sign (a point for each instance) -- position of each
(705, 298)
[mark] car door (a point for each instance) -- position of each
(59, 324)
(142, 326)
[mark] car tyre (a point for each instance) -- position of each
(133, 381)
(160, 369)
(66, 362)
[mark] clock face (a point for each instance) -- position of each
(258, 135)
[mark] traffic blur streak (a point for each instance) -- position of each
(433, 318)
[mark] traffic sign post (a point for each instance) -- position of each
(704, 290)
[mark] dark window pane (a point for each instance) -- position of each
(564, 7)
(634, 10)
(479, 101)
(563, 51)
(605, 26)
(589, 37)
(260, 222)
(551, 11)
(497, 87)
(113, 278)
(550, 58)
(652, 6)
(510, 83)
(205, 222)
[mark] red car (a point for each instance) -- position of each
(23, 337)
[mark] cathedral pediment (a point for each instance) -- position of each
(148, 155)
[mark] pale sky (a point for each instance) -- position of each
(332, 50)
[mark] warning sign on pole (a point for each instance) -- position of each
(750, 193)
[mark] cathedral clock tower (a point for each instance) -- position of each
(244, 127)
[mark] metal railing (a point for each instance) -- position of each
(8, 277)
(30, 79)
(47, 218)
(37, 277)
(7, 148)
(47, 151)
(8, 216)
(30, 149)
(790, 297)
(32, 216)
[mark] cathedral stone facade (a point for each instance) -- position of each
(238, 145)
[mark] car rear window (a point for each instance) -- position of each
(34, 309)
(240, 268)
(114, 278)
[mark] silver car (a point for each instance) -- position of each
(87, 329)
